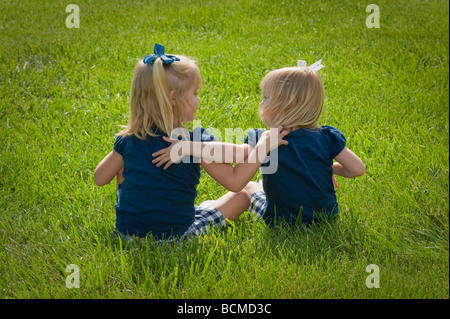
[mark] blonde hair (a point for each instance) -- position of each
(294, 98)
(151, 105)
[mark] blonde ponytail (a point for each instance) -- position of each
(163, 97)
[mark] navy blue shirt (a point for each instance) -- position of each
(302, 186)
(153, 200)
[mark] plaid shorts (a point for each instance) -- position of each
(258, 204)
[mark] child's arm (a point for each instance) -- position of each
(213, 154)
(108, 168)
(217, 152)
(348, 164)
(235, 178)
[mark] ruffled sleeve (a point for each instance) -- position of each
(253, 137)
(119, 145)
(199, 134)
(337, 140)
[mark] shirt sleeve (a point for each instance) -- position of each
(199, 134)
(337, 141)
(119, 145)
(253, 137)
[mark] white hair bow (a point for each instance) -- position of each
(315, 66)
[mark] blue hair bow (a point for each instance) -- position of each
(159, 53)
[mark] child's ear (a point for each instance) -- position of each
(172, 97)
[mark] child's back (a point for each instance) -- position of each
(151, 199)
(302, 183)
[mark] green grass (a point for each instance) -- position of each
(64, 94)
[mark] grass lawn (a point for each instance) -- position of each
(64, 93)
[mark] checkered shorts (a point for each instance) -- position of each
(207, 216)
(258, 204)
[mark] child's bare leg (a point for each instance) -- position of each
(253, 187)
(232, 205)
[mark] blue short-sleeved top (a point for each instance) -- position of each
(151, 199)
(302, 182)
